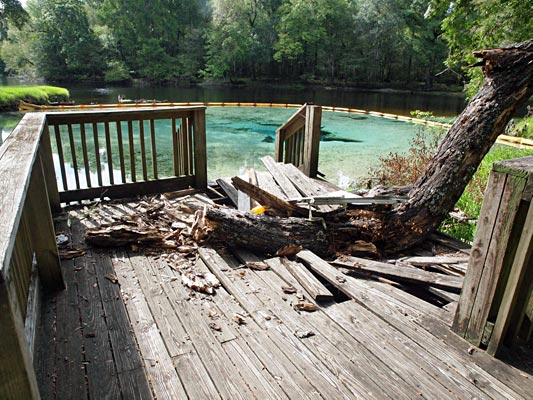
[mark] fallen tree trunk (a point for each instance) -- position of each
(508, 84)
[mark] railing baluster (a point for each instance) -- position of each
(143, 150)
(109, 154)
(85, 155)
(132, 152)
(188, 148)
(183, 150)
(97, 154)
(73, 153)
(153, 148)
(175, 157)
(61, 157)
(121, 152)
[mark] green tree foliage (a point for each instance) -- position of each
(153, 37)
(471, 25)
(66, 46)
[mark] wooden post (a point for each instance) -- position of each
(498, 282)
(278, 145)
(200, 154)
(17, 375)
(42, 231)
(313, 120)
(49, 171)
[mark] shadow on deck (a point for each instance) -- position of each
(126, 327)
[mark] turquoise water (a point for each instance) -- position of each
(237, 137)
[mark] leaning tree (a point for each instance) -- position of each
(507, 85)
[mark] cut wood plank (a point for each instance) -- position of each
(305, 185)
(424, 261)
(278, 174)
(444, 294)
(268, 200)
(450, 242)
(266, 182)
(394, 272)
(311, 284)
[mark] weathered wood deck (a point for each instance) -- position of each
(127, 328)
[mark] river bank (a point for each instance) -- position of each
(10, 96)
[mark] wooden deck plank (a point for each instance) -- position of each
(70, 367)
(414, 325)
(331, 347)
(297, 376)
(402, 274)
(158, 364)
(266, 182)
(311, 284)
(374, 353)
(394, 345)
(45, 357)
(278, 174)
(102, 377)
(191, 371)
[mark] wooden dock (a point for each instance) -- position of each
(127, 327)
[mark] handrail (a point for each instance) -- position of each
(155, 150)
(297, 140)
(26, 234)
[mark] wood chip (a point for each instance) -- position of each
(257, 265)
(288, 289)
(304, 306)
(112, 278)
(239, 319)
(289, 251)
(216, 327)
(302, 334)
(71, 253)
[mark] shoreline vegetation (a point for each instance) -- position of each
(10, 96)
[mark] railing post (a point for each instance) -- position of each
(17, 375)
(279, 144)
(313, 120)
(200, 154)
(48, 170)
(42, 233)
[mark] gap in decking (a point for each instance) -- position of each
(338, 296)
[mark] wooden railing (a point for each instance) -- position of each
(26, 238)
(112, 153)
(496, 304)
(298, 139)
(128, 152)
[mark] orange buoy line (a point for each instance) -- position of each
(503, 139)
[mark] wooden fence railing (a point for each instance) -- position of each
(298, 139)
(127, 152)
(26, 238)
(496, 304)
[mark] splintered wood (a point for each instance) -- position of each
(157, 223)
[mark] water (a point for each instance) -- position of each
(238, 137)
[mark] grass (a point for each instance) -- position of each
(524, 128)
(11, 95)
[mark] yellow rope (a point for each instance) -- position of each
(518, 142)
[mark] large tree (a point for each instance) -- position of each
(66, 46)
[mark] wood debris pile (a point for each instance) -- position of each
(157, 223)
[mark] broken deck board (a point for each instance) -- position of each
(401, 274)
(311, 284)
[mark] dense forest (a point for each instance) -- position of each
(380, 42)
